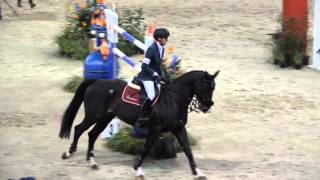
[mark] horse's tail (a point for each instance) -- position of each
(72, 109)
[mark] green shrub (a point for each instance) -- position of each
(278, 55)
(73, 84)
(172, 73)
(289, 44)
(125, 142)
(297, 59)
(73, 41)
(132, 22)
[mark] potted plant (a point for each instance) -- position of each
(305, 60)
(289, 46)
(278, 55)
(297, 59)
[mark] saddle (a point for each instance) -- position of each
(134, 92)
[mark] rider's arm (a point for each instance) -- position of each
(146, 61)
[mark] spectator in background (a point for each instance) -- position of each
(32, 5)
(0, 13)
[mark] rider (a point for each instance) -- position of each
(151, 70)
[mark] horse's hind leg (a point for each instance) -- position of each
(93, 135)
(78, 130)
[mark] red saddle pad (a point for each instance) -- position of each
(132, 96)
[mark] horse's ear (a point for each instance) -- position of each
(216, 74)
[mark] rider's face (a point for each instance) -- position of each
(163, 41)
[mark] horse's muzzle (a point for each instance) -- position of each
(206, 107)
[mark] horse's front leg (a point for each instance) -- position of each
(182, 137)
(151, 138)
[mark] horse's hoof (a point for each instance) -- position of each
(95, 167)
(93, 164)
(139, 173)
(139, 178)
(65, 155)
(202, 178)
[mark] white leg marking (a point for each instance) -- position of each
(93, 163)
(199, 173)
(139, 172)
(68, 154)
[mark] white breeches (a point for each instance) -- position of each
(149, 87)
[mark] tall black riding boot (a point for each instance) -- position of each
(19, 3)
(144, 113)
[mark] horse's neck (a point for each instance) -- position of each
(186, 82)
(190, 77)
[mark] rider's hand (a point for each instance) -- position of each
(162, 80)
(159, 79)
(156, 77)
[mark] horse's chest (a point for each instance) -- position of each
(171, 126)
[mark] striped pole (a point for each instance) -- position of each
(130, 38)
(127, 59)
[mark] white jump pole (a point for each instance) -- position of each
(129, 37)
(112, 35)
(127, 59)
(113, 29)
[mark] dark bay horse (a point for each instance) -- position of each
(102, 102)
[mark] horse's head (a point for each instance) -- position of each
(204, 89)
